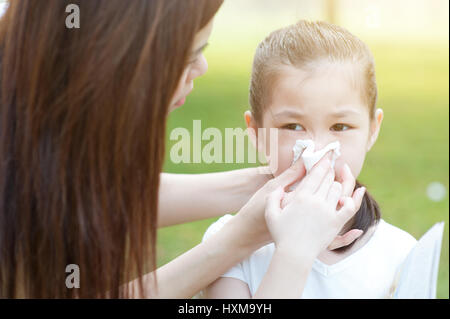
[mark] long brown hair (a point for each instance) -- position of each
(82, 125)
(300, 45)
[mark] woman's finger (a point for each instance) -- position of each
(346, 239)
(287, 198)
(273, 204)
(327, 182)
(345, 177)
(293, 174)
(350, 205)
(313, 180)
(334, 194)
(357, 197)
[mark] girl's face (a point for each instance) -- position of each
(196, 67)
(324, 105)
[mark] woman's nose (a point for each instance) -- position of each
(199, 68)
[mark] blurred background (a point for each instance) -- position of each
(407, 169)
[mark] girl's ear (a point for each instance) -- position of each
(375, 126)
(251, 128)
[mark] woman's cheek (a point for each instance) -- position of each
(181, 85)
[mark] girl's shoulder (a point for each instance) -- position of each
(390, 232)
(216, 226)
(392, 240)
(260, 257)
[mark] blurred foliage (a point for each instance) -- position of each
(411, 151)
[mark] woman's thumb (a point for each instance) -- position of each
(293, 174)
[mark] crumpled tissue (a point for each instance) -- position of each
(305, 149)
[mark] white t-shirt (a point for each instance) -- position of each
(369, 272)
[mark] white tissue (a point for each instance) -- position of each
(305, 150)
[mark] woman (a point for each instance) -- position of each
(83, 116)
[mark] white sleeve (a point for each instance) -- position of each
(216, 226)
(237, 270)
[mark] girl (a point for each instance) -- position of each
(317, 81)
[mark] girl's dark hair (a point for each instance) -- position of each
(82, 132)
(368, 214)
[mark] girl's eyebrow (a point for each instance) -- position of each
(300, 114)
(344, 113)
(289, 113)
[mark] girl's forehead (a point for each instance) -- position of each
(320, 75)
(333, 89)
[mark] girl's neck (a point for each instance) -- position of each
(330, 257)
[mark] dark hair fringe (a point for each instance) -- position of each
(368, 214)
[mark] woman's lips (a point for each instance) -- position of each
(180, 102)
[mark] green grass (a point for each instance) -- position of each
(411, 151)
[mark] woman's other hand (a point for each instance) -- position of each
(310, 222)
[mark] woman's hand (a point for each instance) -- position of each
(309, 223)
(253, 211)
(347, 180)
(237, 239)
(252, 214)
(303, 228)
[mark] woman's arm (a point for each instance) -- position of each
(227, 288)
(188, 197)
(285, 278)
(247, 231)
(186, 275)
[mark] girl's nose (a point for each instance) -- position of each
(320, 144)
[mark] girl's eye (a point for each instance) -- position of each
(294, 127)
(340, 127)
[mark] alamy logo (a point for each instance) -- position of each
(224, 148)
(73, 19)
(73, 279)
